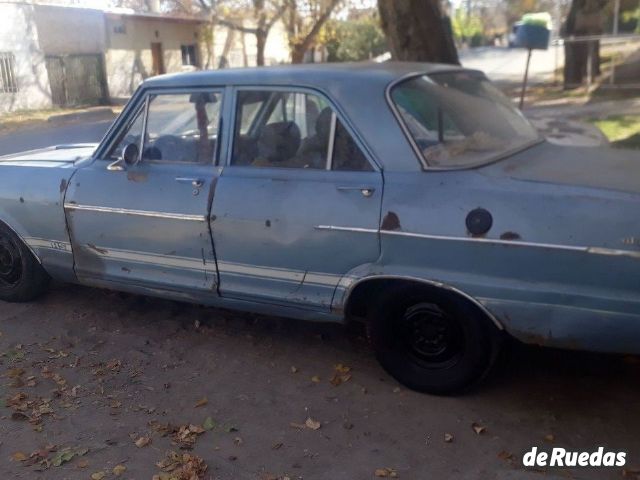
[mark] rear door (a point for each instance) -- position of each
(297, 205)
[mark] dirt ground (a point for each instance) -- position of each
(97, 384)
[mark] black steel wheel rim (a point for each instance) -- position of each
(10, 262)
(432, 337)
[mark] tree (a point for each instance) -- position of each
(586, 17)
(417, 30)
(356, 40)
(304, 22)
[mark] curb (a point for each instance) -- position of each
(99, 113)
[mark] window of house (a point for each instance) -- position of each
(8, 80)
(292, 130)
(189, 55)
(120, 29)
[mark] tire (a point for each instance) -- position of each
(22, 278)
(432, 341)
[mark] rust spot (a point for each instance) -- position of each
(510, 236)
(267, 223)
(99, 250)
(125, 269)
(63, 185)
(137, 176)
(390, 222)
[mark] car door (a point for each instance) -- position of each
(147, 224)
(297, 205)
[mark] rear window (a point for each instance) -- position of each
(459, 119)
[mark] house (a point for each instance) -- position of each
(59, 55)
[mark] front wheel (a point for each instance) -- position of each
(22, 278)
(432, 341)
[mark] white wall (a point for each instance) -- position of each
(18, 35)
(128, 58)
(65, 30)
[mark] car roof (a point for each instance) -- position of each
(321, 75)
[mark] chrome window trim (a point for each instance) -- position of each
(332, 140)
(414, 146)
(140, 213)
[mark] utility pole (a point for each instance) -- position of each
(616, 16)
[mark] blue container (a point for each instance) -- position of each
(533, 36)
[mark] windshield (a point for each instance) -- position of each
(459, 119)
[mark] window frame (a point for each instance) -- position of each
(8, 78)
(129, 114)
(337, 114)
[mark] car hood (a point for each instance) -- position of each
(603, 167)
(50, 156)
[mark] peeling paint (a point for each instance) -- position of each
(510, 236)
(390, 222)
(99, 250)
(137, 176)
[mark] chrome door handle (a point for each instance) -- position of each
(195, 182)
(365, 191)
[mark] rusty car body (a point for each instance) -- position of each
(411, 196)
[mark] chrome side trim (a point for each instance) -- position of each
(432, 283)
(346, 229)
(517, 243)
(140, 213)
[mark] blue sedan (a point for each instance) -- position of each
(411, 197)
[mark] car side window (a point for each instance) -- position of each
(291, 130)
(182, 127)
(347, 155)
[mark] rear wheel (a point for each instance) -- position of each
(22, 278)
(432, 341)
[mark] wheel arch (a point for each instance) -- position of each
(356, 296)
(19, 231)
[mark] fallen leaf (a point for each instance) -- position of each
(208, 424)
(119, 470)
(312, 424)
(142, 442)
(19, 457)
(386, 472)
(448, 438)
(83, 463)
(238, 441)
(294, 370)
(506, 456)
(299, 426)
(98, 476)
(478, 428)
(276, 446)
(315, 379)
(550, 437)
(201, 403)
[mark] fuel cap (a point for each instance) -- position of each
(479, 221)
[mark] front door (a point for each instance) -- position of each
(147, 224)
(157, 59)
(298, 204)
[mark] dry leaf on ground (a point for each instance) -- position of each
(478, 428)
(386, 472)
(201, 403)
(143, 442)
(312, 424)
(448, 438)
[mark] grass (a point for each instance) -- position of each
(623, 131)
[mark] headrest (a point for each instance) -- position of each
(323, 123)
(279, 142)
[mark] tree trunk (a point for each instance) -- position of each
(585, 18)
(418, 31)
(297, 53)
(261, 43)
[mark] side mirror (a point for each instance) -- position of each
(131, 154)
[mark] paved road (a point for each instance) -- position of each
(503, 64)
(19, 140)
